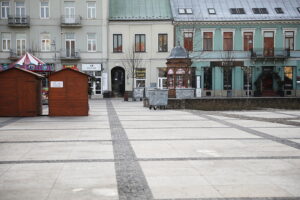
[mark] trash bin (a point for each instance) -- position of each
(158, 98)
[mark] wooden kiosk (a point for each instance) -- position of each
(179, 71)
(68, 93)
(20, 93)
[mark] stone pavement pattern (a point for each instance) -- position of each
(125, 151)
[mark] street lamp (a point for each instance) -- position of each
(54, 45)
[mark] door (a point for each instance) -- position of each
(28, 98)
(267, 80)
(162, 82)
(20, 12)
(248, 41)
(21, 47)
(70, 48)
(70, 15)
(118, 81)
(269, 43)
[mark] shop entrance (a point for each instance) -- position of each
(118, 81)
(267, 81)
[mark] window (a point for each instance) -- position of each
(207, 41)
(288, 77)
(162, 78)
(140, 43)
(289, 40)
(279, 10)
(6, 41)
(298, 9)
(227, 41)
(260, 11)
(117, 43)
(188, 41)
(162, 42)
(185, 11)
(69, 8)
(20, 9)
(45, 42)
(247, 78)
(237, 11)
(4, 9)
(207, 78)
(44, 10)
(21, 43)
(211, 11)
(140, 77)
(91, 10)
(227, 78)
(248, 41)
(91, 41)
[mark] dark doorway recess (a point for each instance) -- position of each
(118, 81)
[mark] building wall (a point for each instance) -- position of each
(203, 59)
(151, 59)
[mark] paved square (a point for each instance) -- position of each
(125, 151)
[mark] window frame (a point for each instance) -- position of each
(205, 39)
(142, 79)
(164, 44)
(211, 11)
(279, 10)
(118, 36)
(93, 10)
(232, 44)
(6, 42)
(139, 38)
(45, 9)
(44, 42)
(192, 40)
(20, 7)
(289, 38)
(285, 82)
(6, 8)
(93, 41)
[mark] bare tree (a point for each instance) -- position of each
(132, 60)
(227, 65)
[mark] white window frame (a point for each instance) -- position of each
(5, 41)
(93, 10)
(21, 39)
(204, 30)
(45, 8)
(44, 44)
(233, 35)
(20, 7)
(295, 36)
(91, 40)
(6, 8)
(246, 30)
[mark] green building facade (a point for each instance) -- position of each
(239, 52)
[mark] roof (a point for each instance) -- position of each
(68, 69)
(28, 59)
(139, 10)
(222, 9)
(178, 52)
(23, 70)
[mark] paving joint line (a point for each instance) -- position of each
(9, 121)
(251, 131)
(131, 181)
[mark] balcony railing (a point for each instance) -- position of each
(270, 53)
(19, 21)
(220, 54)
(13, 55)
(71, 21)
(69, 54)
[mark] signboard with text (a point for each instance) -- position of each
(91, 67)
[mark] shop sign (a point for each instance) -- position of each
(140, 73)
(227, 63)
(71, 66)
(40, 68)
(91, 67)
(56, 84)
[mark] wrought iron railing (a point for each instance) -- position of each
(18, 20)
(71, 20)
(270, 53)
(70, 54)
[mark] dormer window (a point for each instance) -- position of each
(237, 11)
(185, 11)
(260, 11)
(212, 11)
(279, 10)
(298, 9)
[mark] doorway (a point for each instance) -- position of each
(267, 81)
(118, 81)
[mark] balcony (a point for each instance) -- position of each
(71, 21)
(13, 56)
(69, 55)
(18, 21)
(270, 54)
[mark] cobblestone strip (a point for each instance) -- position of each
(9, 121)
(55, 161)
(251, 131)
(131, 180)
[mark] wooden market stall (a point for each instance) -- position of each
(68, 93)
(20, 93)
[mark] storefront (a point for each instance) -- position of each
(95, 82)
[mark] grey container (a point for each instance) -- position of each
(158, 98)
(138, 93)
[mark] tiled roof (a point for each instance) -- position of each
(139, 10)
(222, 9)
